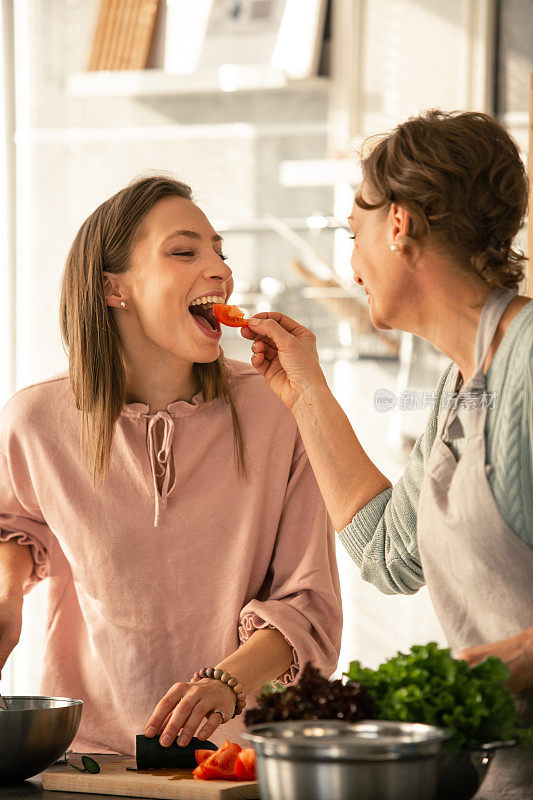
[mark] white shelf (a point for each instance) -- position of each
(257, 225)
(146, 82)
(320, 172)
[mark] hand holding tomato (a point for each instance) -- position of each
(285, 354)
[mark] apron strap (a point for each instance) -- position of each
(492, 312)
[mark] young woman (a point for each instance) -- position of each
(442, 199)
(164, 491)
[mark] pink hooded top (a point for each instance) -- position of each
(151, 580)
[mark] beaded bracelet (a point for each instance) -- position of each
(225, 677)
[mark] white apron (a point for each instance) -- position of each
(478, 572)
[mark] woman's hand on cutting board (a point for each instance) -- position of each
(184, 707)
(516, 652)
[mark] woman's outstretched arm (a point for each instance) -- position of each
(347, 477)
(285, 354)
(376, 523)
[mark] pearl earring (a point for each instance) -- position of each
(395, 248)
(123, 304)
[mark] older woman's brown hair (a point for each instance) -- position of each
(462, 180)
(89, 332)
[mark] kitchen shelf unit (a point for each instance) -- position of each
(157, 82)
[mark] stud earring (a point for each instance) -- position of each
(123, 304)
(395, 248)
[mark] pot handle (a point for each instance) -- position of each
(497, 745)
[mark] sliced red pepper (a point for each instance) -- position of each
(220, 765)
(223, 770)
(201, 755)
(200, 773)
(245, 765)
(230, 315)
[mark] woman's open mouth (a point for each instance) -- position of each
(202, 314)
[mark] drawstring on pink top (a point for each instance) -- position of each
(160, 459)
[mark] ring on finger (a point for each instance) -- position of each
(218, 711)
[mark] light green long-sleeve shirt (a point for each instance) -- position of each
(381, 538)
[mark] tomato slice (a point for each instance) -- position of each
(230, 315)
(245, 765)
(199, 772)
(201, 755)
(220, 765)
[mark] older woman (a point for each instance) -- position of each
(442, 199)
(177, 533)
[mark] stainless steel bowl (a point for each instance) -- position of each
(331, 760)
(35, 732)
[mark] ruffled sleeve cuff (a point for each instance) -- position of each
(41, 562)
(250, 622)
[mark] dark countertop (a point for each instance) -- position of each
(33, 788)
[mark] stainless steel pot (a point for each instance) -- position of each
(331, 760)
(462, 773)
(35, 732)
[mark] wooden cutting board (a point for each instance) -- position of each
(168, 784)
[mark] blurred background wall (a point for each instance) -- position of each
(274, 167)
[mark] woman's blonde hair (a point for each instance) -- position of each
(462, 180)
(89, 333)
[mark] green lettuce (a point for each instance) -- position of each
(428, 685)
